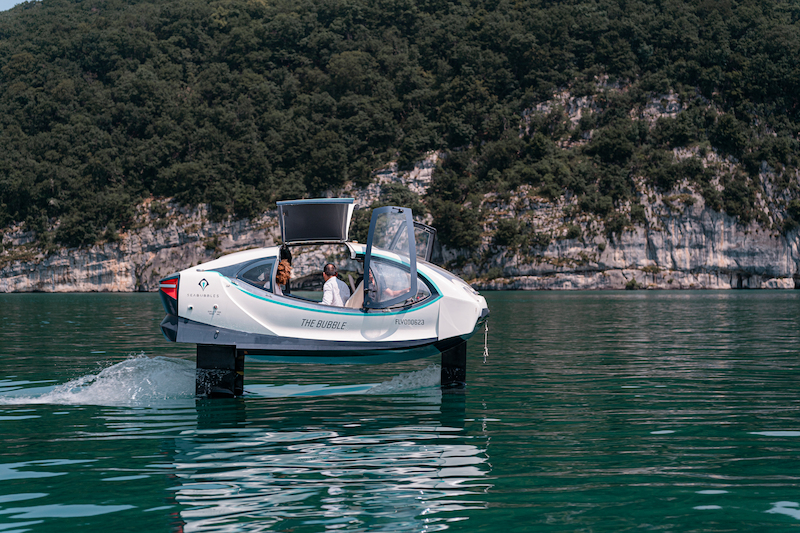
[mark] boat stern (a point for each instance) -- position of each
(168, 291)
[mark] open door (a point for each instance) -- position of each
(388, 282)
(315, 220)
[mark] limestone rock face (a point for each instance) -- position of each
(677, 243)
(162, 245)
(693, 247)
(140, 258)
(680, 244)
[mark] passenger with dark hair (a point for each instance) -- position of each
(335, 291)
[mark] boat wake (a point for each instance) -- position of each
(142, 381)
(136, 381)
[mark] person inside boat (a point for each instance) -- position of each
(374, 290)
(282, 276)
(335, 291)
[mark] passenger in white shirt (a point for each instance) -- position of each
(335, 291)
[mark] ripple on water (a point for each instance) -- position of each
(594, 412)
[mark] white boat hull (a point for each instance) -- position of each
(232, 315)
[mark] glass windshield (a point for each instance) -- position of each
(390, 232)
(259, 274)
(391, 229)
(387, 281)
(423, 243)
(423, 292)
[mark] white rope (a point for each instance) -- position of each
(485, 341)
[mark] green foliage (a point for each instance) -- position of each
(111, 234)
(638, 214)
(613, 145)
(457, 225)
(391, 194)
(399, 195)
(359, 225)
(616, 224)
(793, 209)
(243, 103)
(739, 197)
(792, 219)
(212, 244)
(507, 233)
(573, 231)
(494, 273)
(74, 231)
(539, 240)
(730, 135)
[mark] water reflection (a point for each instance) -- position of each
(357, 472)
(605, 412)
(403, 462)
(300, 457)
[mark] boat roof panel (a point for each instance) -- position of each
(315, 220)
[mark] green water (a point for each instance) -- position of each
(595, 411)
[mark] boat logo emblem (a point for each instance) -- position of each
(203, 283)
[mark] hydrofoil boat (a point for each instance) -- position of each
(402, 306)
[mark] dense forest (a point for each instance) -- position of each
(240, 103)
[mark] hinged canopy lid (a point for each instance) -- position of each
(315, 220)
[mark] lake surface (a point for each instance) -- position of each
(594, 411)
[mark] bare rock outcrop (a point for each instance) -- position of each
(167, 238)
(686, 246)
(140, 257)
(680, 243)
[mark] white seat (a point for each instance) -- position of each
(356, 300)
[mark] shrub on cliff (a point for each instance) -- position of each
(507, 233)
(457, 226)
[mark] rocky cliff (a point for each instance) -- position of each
(678, 242)
(166, 238)
(138, 259)
(683, 244)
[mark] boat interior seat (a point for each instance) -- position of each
(356, 300)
